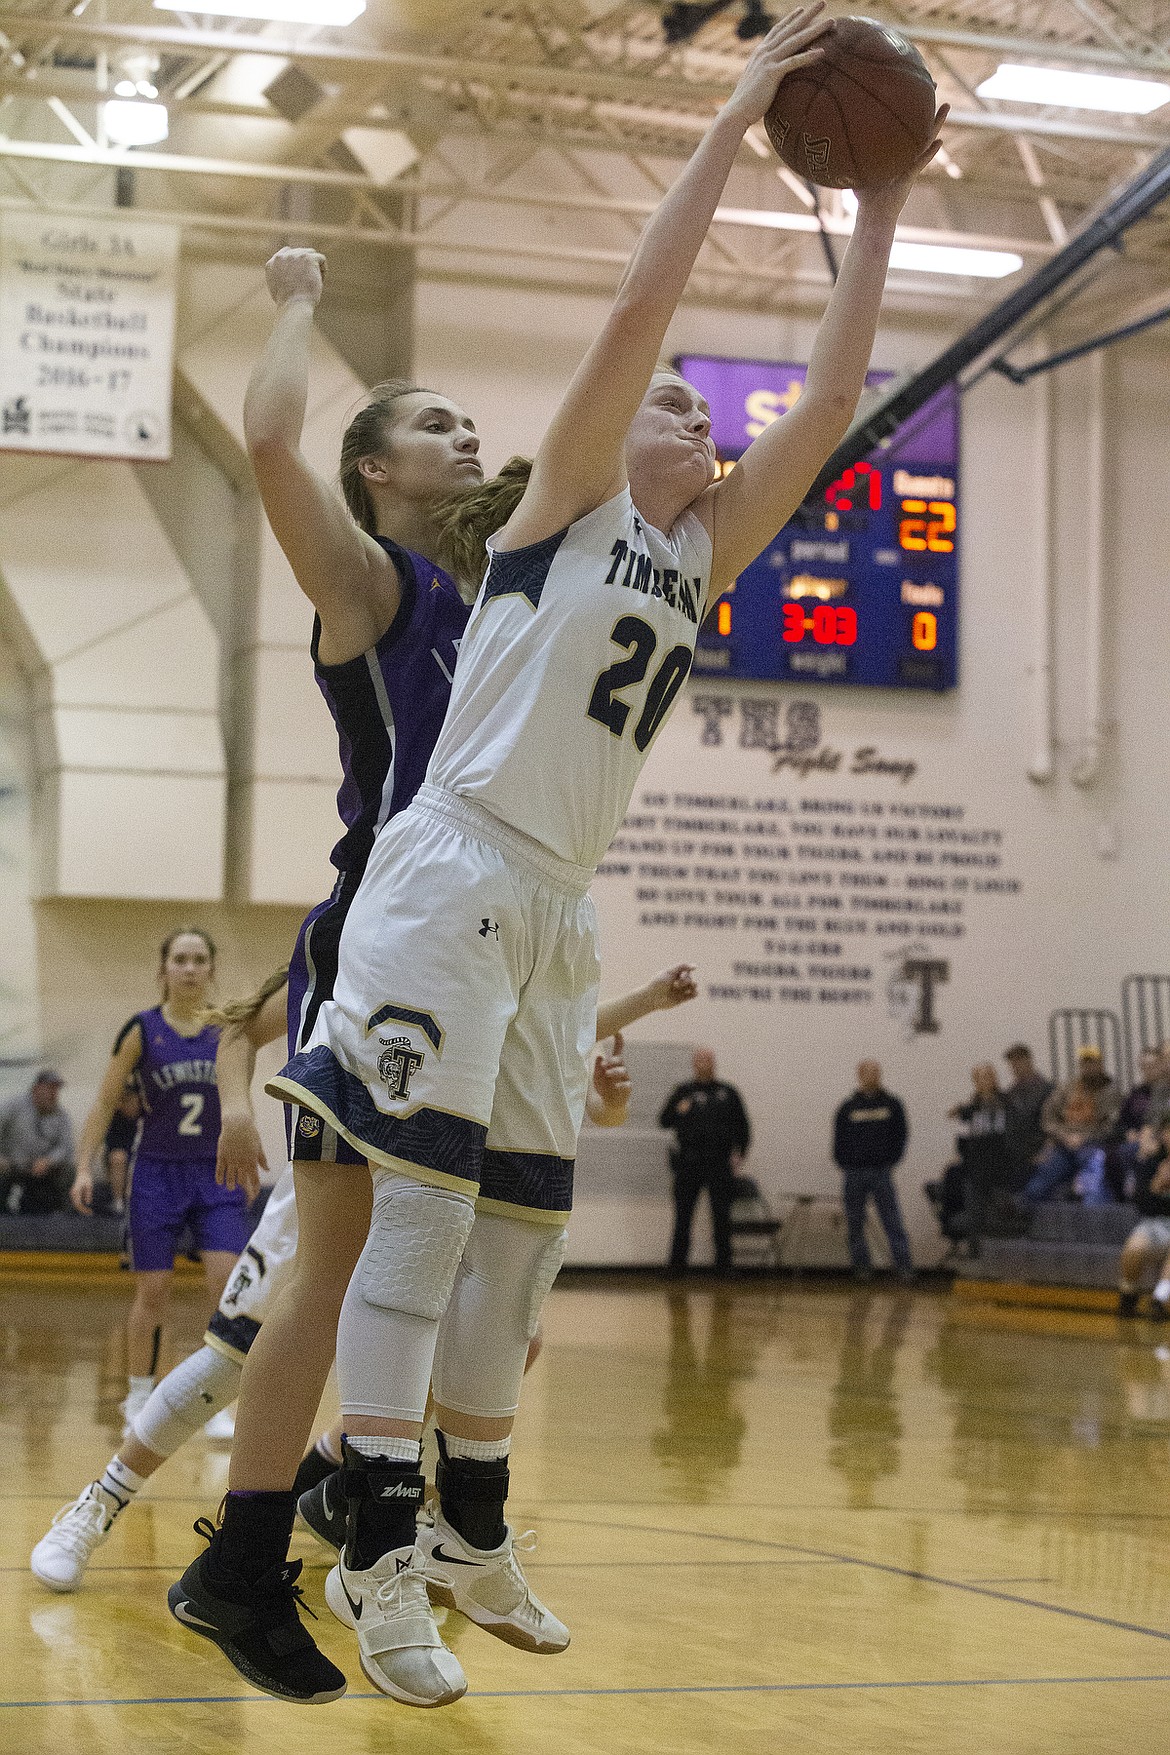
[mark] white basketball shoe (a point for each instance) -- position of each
(489, 1588)
(65, 1550)
(402, 1652)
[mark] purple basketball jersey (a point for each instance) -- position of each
(180, 1098)
(388, 705)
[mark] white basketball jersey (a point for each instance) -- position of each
(574, 656)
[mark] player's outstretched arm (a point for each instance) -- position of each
(775, 473)
(123, 1061)
(239, 1156)
(580, 463)
(350, 580)
(670, 987)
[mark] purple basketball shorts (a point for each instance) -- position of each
(169, 1194)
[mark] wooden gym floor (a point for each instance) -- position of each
(791, 1518)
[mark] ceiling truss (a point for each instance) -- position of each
(593, 90)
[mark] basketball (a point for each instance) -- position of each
(859, 116)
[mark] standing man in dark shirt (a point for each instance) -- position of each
(869, 1138)
(710, 1123)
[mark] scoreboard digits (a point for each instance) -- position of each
(861, 586)
(928, 525)
(828, 627)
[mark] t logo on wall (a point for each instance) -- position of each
(912, 990)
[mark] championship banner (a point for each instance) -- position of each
(87, 330)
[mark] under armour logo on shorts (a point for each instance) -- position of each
(489, 926)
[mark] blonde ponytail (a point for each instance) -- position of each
(466, 520)
(239, 1013)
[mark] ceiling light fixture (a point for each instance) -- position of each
(925, 258)
(955, 259)
(134, 123)
(328, 12)
(1074, 91)
(944, 258)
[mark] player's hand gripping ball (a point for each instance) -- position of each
(861, 114)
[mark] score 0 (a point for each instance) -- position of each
(924, 631)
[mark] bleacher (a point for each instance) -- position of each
(1068, 1244)
(65, 1232)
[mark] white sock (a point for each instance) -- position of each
(478, 1449)
(140, 1386)
(405, 1450)
(119, 1484)
(1162, 1291)
(325, 1449)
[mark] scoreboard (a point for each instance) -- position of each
(861, 585)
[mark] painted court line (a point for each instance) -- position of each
(257, 1699)
(977, 1590)
(323, 1564)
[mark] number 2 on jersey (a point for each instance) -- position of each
(192, 1104)
(605, 705)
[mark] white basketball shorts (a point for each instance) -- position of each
(261, 1269)
(454, 1047)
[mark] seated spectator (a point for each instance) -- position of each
(1079, 1119)
(1135, 1111)
(118, 1145)
(1149, 1146)
(1025, 1098)
(36, 1148)
(1138, 1141)
(1149, 1241)
(1092, 1076)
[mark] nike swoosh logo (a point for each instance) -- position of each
(356, 1607)
(451, 1559)
(182, 1613)
(326, 1508)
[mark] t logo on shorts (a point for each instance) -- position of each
(397, 1065)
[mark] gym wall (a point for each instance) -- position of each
(1087, 859)
(1055, 887)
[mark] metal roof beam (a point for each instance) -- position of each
(615, 206)
(19, 26)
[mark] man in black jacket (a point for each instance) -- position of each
(869, 1138)
(711, 1125)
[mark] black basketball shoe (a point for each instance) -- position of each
(324, 1509)
(311, 1470)
(256, 1626)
